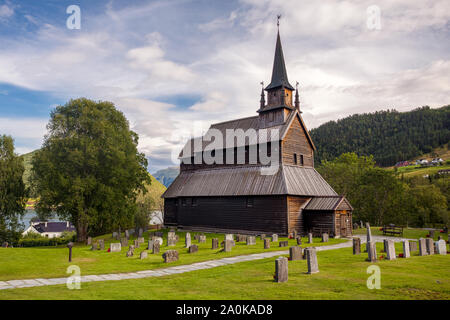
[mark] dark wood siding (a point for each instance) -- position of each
(170, 211)
(319, 222)
(296, 142)
(295, 212)
(267, 214)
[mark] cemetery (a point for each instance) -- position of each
(332, 274)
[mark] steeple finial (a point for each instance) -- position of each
(278, 21)
(297, 100)
(262, 102)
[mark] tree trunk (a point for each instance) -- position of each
(81, 231)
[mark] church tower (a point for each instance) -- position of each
(279, 93)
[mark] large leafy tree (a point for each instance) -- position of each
(89, 170)
(13, 194)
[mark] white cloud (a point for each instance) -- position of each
(6, 11)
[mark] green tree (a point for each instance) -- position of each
(430, 205)
(88, 170)
(13, 194)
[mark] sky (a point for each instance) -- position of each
(175, 67)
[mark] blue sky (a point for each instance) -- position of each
(175, 67)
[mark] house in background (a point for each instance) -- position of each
(49, 229)
(237, 197)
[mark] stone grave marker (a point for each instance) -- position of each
(390, 250)
(227, 245)
(274, 237)
(143, 255)
(262, 236)
(281, 269)
(310, 237)
(124, 242)
(299, 240)
(193, 248)
(406, 253)
(384, 245)
(156, 247)
(187, 240)
(127, 234)
(131, 232)
(136, 243)
(150, 244)
(295, 234)
(229, 236)
(196, 237)
(141, 232)
(94, 246)
(356, 245)
(171, 239)
(430, 245)
(89, 241)
(251, 240)
(283, 243)
(202, 239)
(115, 247)
(422, 247)
(141, 240)
(355, 226)
(371, 251)
(215, 243)
(311, 258)
(295, 253)
(441, 247)
(431, 234)
(267, 243)
(369, 233)
(324, 237)
(412, 246)
(114, 235)
(170, 256)
(361, 223)
(101, 244)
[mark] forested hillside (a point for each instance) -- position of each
(390, 136)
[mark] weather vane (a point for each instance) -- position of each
(262, 83)
(278, 20)
(296, 85)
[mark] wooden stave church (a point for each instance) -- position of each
(238, 198)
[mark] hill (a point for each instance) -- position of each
(390, 136)
(166, 176)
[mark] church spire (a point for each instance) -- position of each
(262, 102)
(279, 74)
(297, 100)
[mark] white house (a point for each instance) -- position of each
(49, 229)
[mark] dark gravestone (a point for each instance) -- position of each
(130, 251)
(406, 253)
(94, 246)
(196, 237)
(114, 235)
(155, 247)
(281, 269)
(371, 251)
(412, 246)
(355, 226)
(283, 243)
(422, 247)
(215, 243)
(124, 242)
(431, 234)
(193, 248)
(311, 257)
(299, 240)
(430, 246)
(227, 245)
(170, 256)
(101, 244)
(136, 243)
(140, 232)
(295, 253)
(267, 243)
(356, 246)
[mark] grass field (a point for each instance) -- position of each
(48, 262)
(410, 233)
(417, 170)
(342, 276)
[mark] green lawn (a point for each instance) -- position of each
(417, 170)
(342, 276)
(50, 262)
(410, 233)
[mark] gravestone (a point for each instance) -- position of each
(193, 248)
(131, 231)
(136, 243)
(124, 242)
(361, 223)
(127, 234)
(171, 238)
(115, 247)
(355, 226)
(262, 236)
(295, 234)
(141, 240)
(143, 255)
(295, 253)
(170, 256)
(187, 240)
(422, 247)
(283, 243)
(227, 245)
(156, 247)
(371, 251)
(299, 240)
(251, 240)
(114, 235)
(369, 233)
(266, 243)
(101, 244)
(141, 232)
(229, 236)
(356, 246)
(129, 253)
(311, 258)
(310, 238)
(431, 234)
(324, 237)
(390, 250)
(441, 247)
(94, 246)
(385, 245)
(159, 240)
(412, 246)
(89, 241)
(215, 243)
(196, 237)
(281, 269)
(406, 253)
(150, 244)
(202, 239)
(430, 246)
(274, 237)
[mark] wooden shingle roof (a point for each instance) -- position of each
(249, 181)
(329, 203)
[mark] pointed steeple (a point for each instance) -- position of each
(262, 102)
(297, 100)
(279, 74)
